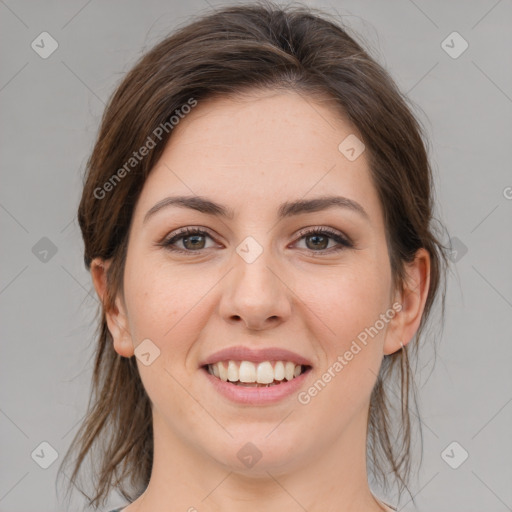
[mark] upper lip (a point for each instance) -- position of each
(242, 353)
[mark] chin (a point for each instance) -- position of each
(254, 452)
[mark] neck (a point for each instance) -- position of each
(333, 479)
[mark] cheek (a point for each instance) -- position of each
(345, 301)
(352, 348)
(165, 306)
(353, 305)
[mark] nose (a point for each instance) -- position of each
(256, 294)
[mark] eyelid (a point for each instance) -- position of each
(342, 240)
(182, 232)
(334, 233)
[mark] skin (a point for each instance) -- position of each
(250, 154)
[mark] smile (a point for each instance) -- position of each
(256, 376)
(249, 374)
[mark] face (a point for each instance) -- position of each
(311, 281)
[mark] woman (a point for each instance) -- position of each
(257, 220)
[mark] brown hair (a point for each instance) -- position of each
(226, 52)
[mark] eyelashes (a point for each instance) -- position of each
(184, 234)
(327, 233)
(193, 235)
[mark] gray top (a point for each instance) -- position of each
(389, 507)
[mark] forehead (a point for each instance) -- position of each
(258, 150)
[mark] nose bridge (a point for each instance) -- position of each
(255, 293)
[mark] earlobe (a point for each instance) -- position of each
(116, 317)
(412, 300)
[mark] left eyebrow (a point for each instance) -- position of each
(287, 209)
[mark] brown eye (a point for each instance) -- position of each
(192, 240)
(317, 240)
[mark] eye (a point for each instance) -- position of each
(193, 240)
(317, 240)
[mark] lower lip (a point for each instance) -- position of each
(254, 395)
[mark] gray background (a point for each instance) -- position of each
(51, 110)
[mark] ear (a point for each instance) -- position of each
(117, 319)
(412, 300)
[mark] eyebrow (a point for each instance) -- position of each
(287, 209)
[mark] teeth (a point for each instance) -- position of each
(232, 371)
(289, 370)
(250, 373)
(223, 372)
(247, 372)
(265, 373)
(279, 370)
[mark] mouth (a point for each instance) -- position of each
(252, 377)
(248, 374)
